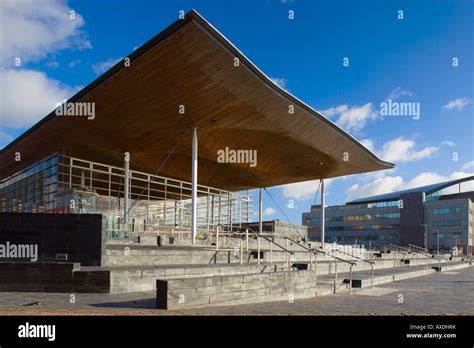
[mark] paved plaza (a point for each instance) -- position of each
(439, 293)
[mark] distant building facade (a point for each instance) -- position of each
(414, 216)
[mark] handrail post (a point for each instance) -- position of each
(258, 249)
(241, 251)
(350, 279)
(316, 269)
(287, 249)
(310, 260)
(247, 239)
(289, 261)
(372, 276)
(217, 236)
(335, 275)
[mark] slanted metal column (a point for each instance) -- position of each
(194, 185)
(260, 212)
(322, 214)
(126, 193)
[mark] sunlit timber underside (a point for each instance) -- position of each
(192, 64)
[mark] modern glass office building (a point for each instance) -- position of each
(417, 216)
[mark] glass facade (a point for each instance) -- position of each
(442, 211)
(33, 189)
(443, 223)
(317, 219)
(62, 184)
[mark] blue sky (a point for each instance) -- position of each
(406, 60)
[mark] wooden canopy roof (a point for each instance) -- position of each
(190, 63)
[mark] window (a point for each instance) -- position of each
(442, 211)
(444, 223)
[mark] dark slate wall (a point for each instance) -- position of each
(78, 235)
(411, 219)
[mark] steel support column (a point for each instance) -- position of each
(194, 185)
(126, 188)
(260, 212)
(322, 215)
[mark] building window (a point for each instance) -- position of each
(442, 211)
(444, 223)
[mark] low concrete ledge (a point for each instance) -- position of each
(445, 268)
(237, 289)
(389, 278)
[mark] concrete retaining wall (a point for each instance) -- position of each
(144, 279)
(237, 289)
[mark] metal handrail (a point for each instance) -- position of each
(439, 258)
(356, 257)
(314, 250)
(334, 257)
(278, 245)
(372, 263)
(351, 264)
(418, 247)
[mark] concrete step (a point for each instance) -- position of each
(143, 278)
(452, 266)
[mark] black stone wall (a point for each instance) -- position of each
(78, 235)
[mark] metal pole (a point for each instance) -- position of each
(258, 249)
(310, 261)
(194, 185)
(316, 269)
(335, 274)
(350, 280)
(241, 251)
(247, 239)
(218, 228)
(371, 276)
(126, 188)
(260, 212)
(322, 215)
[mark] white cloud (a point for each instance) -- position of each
(368, 143)
(386, 184)
(31, 32)
(397, 93)
(304, 190)
(106, 65)
(74, 63)
(403, 150)
(458, 103)
(468, 165)
(334, 111)
(5, 139)
(380, 185)
(52, 64)
(280, 81)
(447, 143)
(424, 179)
(27, 96)
(352, 118)
(268, 211)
